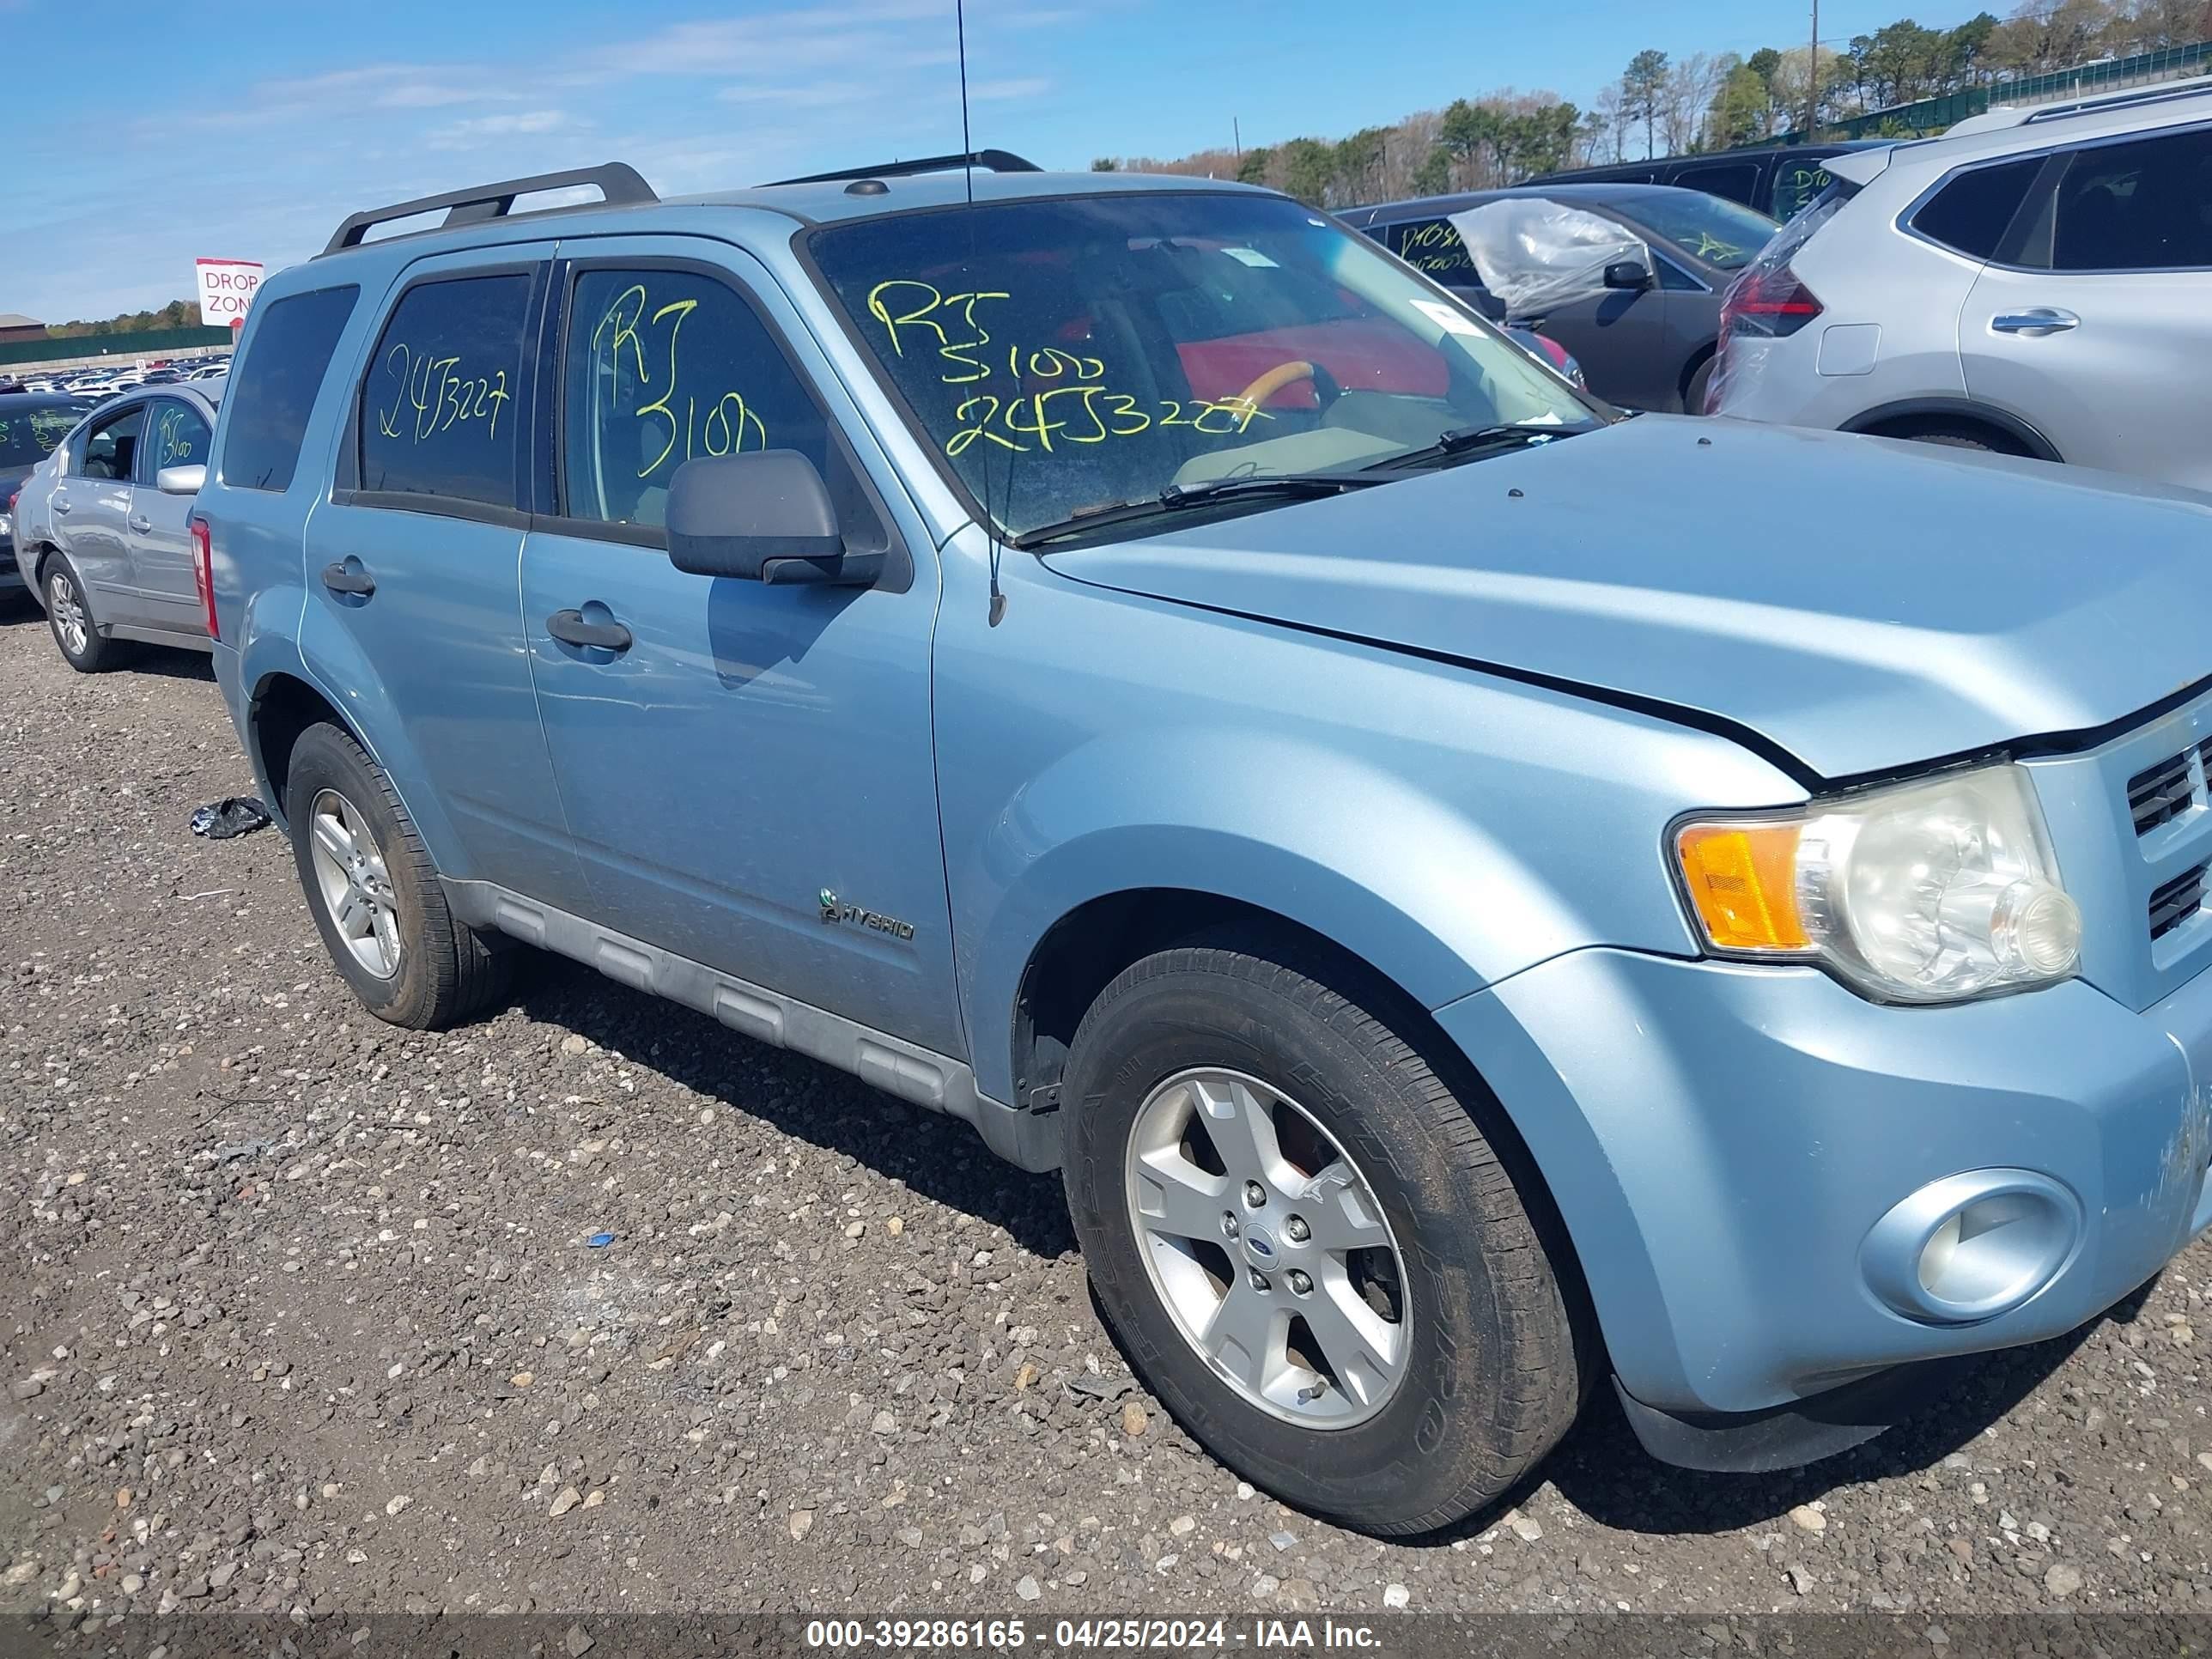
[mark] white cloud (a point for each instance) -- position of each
(480, 129)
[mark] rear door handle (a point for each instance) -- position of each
(346, 576)
(61, 505)
(570, 629)
(141, 524)
(2037, 321)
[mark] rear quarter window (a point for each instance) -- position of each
(1969, 213)
(273, 387)
(1432, 247)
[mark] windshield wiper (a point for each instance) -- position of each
(1178, 498)
(1465, 439)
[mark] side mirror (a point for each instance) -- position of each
(181, 480)
(1632, 274)
(764, 516)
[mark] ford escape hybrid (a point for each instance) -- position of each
(1131, 664)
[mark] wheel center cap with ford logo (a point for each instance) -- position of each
(1260, 1249)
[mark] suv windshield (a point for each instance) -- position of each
(1725, 234)
(31, 427)
(1066, 355)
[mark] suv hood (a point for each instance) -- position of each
(1863, 603)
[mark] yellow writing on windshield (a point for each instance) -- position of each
(920, 319)
(1709, 248)
(433, 394)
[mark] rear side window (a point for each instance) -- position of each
(1736, 180)
(1433, 247)
(1969, 215)
(438, 415)
(273, 387)
(110, 448)
(179, 438)
(2140, 206)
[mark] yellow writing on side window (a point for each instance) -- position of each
(626, 330)
(432, 395)
(173, 444)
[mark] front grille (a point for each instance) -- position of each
(2175, 902)
(2161, 794)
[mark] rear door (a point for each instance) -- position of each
(413, 561)
(2094, 323)
(161, 552)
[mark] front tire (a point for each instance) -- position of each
(1396, 1347)
(68, 617)
(374, 892)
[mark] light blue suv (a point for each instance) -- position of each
(1478, 897)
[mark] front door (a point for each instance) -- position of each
(2099, 330)
(160, 551)
(748, 776)
(411, 565)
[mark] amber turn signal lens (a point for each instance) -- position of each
(1742, 879)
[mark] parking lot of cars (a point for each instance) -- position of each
(1442, 1167)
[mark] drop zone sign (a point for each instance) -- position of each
(227, 287)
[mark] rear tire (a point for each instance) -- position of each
(69, 619)
(1958, 435)
(374, 892)
(1464, 1378)
(1693, 397)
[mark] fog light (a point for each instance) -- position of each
(1971, 1246)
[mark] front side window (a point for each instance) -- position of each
(273, 388)
(179, 438)
(2140, 206)
(438, 415)
(663, 365)
(110, 448)
(1432, 246)
(1068, 354)
(1726, 235)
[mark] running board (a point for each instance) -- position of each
(918, 1076)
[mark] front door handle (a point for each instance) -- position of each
(2035, 322)
(141, 523)
(347, 576)
(570, 629)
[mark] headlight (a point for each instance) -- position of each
(1934, 891)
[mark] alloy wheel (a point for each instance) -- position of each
(1267, 1247)
(356, 888)
(67, 610)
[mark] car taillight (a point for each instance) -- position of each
(204, 573)
(1767, 301)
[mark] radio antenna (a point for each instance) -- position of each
(968, 172)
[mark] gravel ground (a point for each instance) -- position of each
(299, 1312)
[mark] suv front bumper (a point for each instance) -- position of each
(1722, 1140)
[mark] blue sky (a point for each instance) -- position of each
(248, 130)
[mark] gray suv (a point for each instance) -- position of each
(99, 535)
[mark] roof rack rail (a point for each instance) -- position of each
(619, 184)
(2131, 99)
(991, 161)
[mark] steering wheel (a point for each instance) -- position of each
(1326, 390)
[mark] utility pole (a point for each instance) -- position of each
(1813, 78)
(1237, 139)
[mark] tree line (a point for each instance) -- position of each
(1663, 106)
(178, 313)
